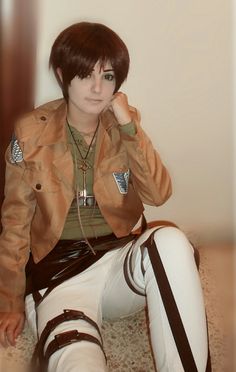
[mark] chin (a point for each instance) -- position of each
(95, 110)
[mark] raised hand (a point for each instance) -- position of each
(120, 107)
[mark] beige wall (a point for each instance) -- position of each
(181, 81)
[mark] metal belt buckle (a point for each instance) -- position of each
(72, 314)
(66, 338)
(80, 243)
(81, 246)
(86, 200)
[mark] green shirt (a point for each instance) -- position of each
(93, 223)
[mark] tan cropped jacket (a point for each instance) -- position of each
(39, 188)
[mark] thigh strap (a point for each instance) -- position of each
(67, 338)
(53, 323)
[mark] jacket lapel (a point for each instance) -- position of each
(54, 135)
(55, 130)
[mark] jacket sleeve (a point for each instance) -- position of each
(17, 212)
(150, 178)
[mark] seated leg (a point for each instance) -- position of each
(168, 251)
(82, 294)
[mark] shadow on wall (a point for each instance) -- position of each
(17, 68)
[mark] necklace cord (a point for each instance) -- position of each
(84, 169)
(91, 143)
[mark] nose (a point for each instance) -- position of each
(96, 84)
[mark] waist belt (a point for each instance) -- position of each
(68, 258)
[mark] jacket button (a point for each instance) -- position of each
(43, 118)
(38, 186)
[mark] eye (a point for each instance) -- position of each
(85, 77)
(109, 77)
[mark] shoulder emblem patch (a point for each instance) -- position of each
(122, 181)
(16, 152)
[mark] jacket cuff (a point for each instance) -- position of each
(129, 128)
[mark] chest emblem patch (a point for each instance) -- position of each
(122, 181)
(16, 152)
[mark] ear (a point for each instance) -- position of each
(59, 73)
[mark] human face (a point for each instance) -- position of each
(93, 93)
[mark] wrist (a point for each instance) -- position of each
(124, 120)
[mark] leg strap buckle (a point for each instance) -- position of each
(67, 315)
(64, 339)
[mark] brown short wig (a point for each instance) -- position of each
(79, 47)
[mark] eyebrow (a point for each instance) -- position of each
(110, 69)
(107, 70)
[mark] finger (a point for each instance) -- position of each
(110, 108)
(3, 339)
(19, 328)
(115, 95)
(10, 336)
(119, 94)
(107, 107)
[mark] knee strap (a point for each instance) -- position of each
(67, 338)
(171, 308)
(67, 315)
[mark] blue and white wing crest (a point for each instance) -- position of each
(16, 152)
(122, 181)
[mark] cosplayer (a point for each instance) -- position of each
(78, 171)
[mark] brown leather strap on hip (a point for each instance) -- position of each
(53, 323)
(57, 272)
(68, 258)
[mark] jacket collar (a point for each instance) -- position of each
(53, 114)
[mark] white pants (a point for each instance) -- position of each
(101, 291)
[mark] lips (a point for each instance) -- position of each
(94, 100)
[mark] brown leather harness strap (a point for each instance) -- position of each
(128, 269)
(127, 266)
(67, 338)
(67, 315)
(67, 259)
(171, 308)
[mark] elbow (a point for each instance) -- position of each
(168, 192)
(159, 195)
(165, 192)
